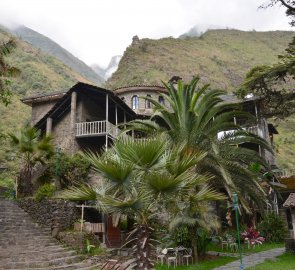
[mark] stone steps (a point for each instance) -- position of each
(25, 245)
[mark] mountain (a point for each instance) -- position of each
(111, 68)
(98, 70)
(52, 48)
(220, 57)
(199, 30)
(40, 73)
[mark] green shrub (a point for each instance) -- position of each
(71, 169)
(45, 191)
(181, 237)
(273, 228)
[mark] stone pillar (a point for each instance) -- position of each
(48, 126)
(73, 110)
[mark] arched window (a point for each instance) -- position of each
(161, 100)
(148, 104)
(135, 102)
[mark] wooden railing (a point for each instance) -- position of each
(285, 173)
(96, 128)
(254, 130)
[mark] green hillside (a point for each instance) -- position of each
(52, 48)
(39, 73)
(219, 57)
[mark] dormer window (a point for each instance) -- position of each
(161, 100)
(148, 104)
(135, 102)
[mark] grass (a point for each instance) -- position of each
(283, 262)
(202, 265)
(263, 247)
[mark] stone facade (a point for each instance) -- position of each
(44, 211)
(144, 108)
(40, 109)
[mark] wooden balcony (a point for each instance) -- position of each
(254, 130)
(286, 177)
(96, 128)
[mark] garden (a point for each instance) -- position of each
(183, 195)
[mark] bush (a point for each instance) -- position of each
(71, 169)
(273, 228)
(45, 191)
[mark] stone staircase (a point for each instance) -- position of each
(28, 246)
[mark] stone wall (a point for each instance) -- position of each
(290, 245)
(40, 109)
(42, 212)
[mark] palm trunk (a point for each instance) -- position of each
(194, 242)
(143, 248)
(26, 181)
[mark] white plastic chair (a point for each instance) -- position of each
(188, 256)
(161, 256)
(173, 259)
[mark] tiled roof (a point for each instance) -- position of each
(139, 85)
(44, 96)
(290, 202)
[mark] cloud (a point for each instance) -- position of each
(95, 30)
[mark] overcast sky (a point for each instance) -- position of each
(96, 30)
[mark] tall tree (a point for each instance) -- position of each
(32, 149)
(6, 71)
(197, 117)
(275, 83)
(143, 178)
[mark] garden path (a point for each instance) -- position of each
(253, 259)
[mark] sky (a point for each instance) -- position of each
(96, 30)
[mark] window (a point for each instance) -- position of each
(135, 102)
(148, 104)
(161, 100)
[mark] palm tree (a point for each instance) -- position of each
(196, 117)
(140, 179)
(32, 149)
(6, 71)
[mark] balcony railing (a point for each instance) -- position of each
(254, 130)
(96, 128)
(285, 173)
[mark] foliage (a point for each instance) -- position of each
(252, 236)
(72, 169)
(274, 83)
(33, 150)
(195, 119)
(45, 191)
(6, 71)
(181, 236)
(273, 228)
(139, 178)
(8, 184)
(204, 239)
(216, 64)
(89, 247)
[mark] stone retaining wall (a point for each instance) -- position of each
(42, 212)
(290, 245)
